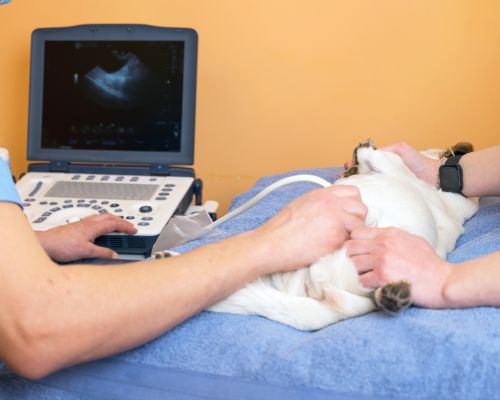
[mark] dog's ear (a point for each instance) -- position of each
(458, 149)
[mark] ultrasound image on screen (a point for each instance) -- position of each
(113, 95)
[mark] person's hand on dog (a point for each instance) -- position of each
(76, 240)
(312, 226)
(423, 167)
(384, 255)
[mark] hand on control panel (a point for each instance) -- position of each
(75, 241)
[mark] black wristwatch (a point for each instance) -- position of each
(451, 175)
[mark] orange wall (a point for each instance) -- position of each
(287, 84)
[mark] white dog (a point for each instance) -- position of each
(329, 291)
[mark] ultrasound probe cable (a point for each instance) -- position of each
(258, 197)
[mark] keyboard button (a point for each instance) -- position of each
(67, 206)
(46, 214)
(143, 223)
(130, 217)
(38, 220)
(145, 209)
(114, 205)
(161, 198)
(118, 210)
(55, 209)
(147, 218)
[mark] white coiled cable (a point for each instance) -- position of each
(250, 203)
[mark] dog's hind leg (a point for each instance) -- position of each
(300, 312)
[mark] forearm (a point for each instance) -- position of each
(159, 295)
(481, 172)
(87, 312)
(474, 283)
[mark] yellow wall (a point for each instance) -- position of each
(288, 84)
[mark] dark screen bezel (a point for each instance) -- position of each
(113, 33)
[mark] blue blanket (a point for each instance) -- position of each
(420, 354)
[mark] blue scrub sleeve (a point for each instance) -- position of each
(8, 190)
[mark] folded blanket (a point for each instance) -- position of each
(420, 354)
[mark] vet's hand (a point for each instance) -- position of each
(76, 240)
(312, 226)
(423, 167)
(384, 255)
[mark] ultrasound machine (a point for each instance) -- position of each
(111, 126)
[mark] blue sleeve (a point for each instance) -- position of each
(8, 190)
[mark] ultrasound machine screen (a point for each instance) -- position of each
(113, 95)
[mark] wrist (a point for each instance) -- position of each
(42, 239)
(432, 176)
(452, 293)
(252, 252)
(434, 290)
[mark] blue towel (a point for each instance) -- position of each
(420, 354)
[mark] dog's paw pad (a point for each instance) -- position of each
(393, 297)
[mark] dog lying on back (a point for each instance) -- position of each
(329, 291)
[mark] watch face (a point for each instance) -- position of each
(450, 177)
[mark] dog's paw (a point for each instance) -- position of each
(354, 168)
(393, 297)
(351, 171)
(459, 149)
(163, 254)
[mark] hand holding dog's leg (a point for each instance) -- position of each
(481, 169)
(385, 255)
(423, 167)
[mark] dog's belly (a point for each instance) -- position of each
(392, 201)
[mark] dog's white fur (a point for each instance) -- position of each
(329, 291)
